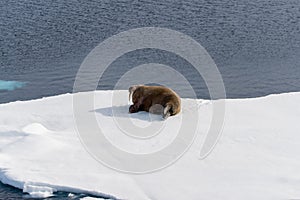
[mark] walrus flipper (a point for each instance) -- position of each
(167, 113)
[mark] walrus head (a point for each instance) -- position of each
(132, 89)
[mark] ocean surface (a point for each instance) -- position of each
(255, 44)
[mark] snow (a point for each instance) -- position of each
(257, 156)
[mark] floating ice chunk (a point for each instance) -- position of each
(37, 191)
(11, 85)
(257, 156)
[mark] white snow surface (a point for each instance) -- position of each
(256, 157)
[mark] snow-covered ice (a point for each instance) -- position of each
(257, 156)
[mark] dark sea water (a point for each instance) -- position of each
(10, 193)
(255, 44)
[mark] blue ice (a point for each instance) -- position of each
(10, 85)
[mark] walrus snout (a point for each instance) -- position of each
(132, 109)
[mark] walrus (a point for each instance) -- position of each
(154, 99)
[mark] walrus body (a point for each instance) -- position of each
(154, 99)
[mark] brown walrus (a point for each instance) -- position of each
(154, 99)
